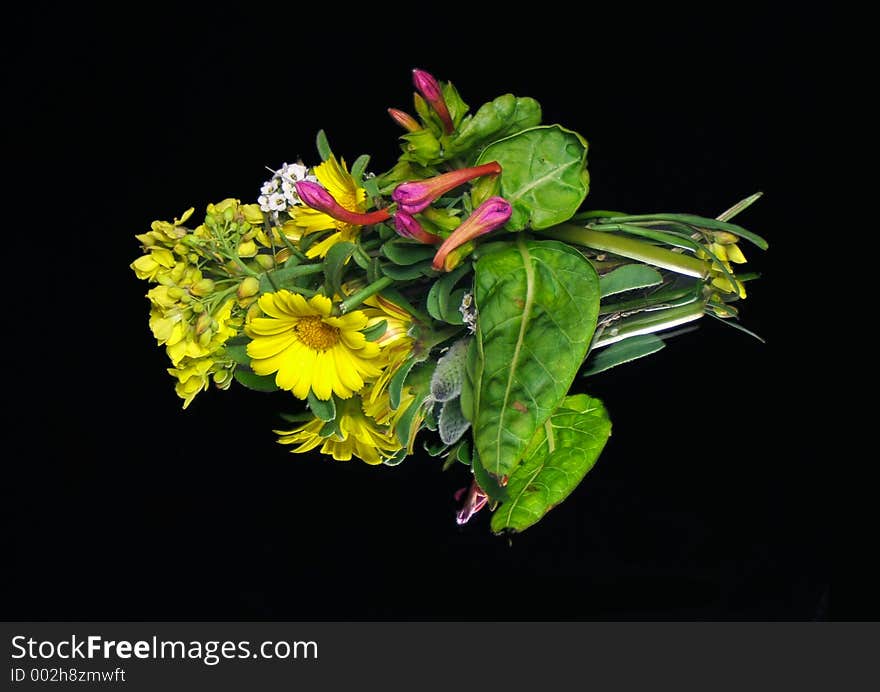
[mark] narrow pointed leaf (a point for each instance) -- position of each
(627, 278)
(623, 352)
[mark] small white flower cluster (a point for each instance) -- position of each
(279, 193)
(468, 312)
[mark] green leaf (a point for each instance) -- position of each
(561, 453)
(417, 383)
(325, 410)
(449, 375)
(395, 384)
(454, 103)
(441, 303)
(407, 273)
(544, 174)
(627, 278)
(623, 352)
(287, 276)
(501, 117)
(376, 331)
(238, 352)
(452, 424)
(359, 167)
(537, 302)
(324, 150)
(334, 265)
(405, 253)
(259, 383)
(422, 147)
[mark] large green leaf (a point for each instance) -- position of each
(543, 174)
(537, 303)
(495, 120)
(561, 453)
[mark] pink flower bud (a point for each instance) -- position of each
(430, 89)
(475, 501)
(405, 120)
(491, 214)
(315, 196)
(415, 196)
(408, 227)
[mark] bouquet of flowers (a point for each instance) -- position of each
(448, 303)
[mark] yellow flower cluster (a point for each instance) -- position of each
(725, 248)
(199, 299)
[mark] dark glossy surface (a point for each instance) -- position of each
(708, 502)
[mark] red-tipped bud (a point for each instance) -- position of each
(405, 120)
(416, 196)
(475, 500)
(430, 89)
(315, 196)
(408, 227)
(491, 214)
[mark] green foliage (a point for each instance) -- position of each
(501, 117)
(538, 302)
(558, 457)
(627, 278)
(334, 266)
(325, 410)
(622, 352)
(259, 383)
(544, 175)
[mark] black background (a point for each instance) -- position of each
(710, 500)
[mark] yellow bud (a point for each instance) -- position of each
(248, 287)
(175, 293)
(252, 214)
(247, 249)
(734, 254)
(203, 287)
(198, 308)
(253, 311)
(203, 323)
(205, 338)
(725, 238)
(265, 261)
(181, 249)
(223, 378)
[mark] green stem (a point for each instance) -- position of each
(360, 296)
(628, 247)
(650, 322)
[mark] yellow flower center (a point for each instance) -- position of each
(316, 334)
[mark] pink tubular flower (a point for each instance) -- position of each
(415, 196)
(487, 217)
(405, 120)
(475, 501)
(430, 89)
(316, 197)
(408, 227)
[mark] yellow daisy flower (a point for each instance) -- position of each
(309, 349)
(358, 435)
(336, 179)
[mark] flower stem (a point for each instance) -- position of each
(650, 322)
(355, 299)
(629, 247)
